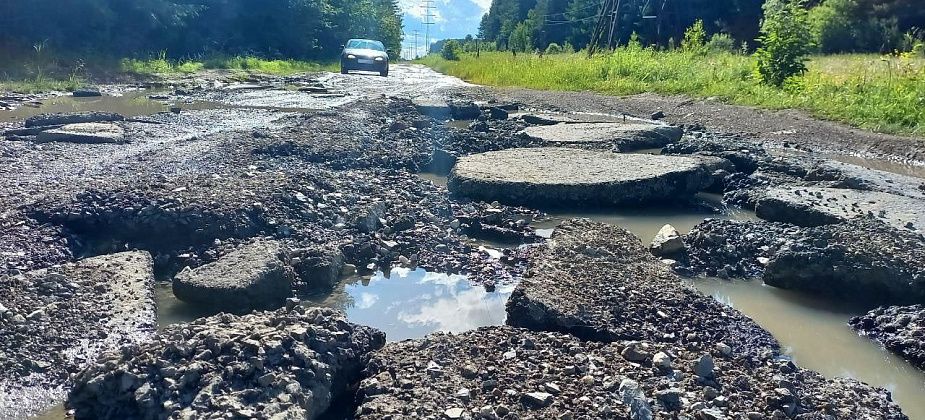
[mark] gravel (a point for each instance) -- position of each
(510, 373)
(897, 328)
(599, 282)
(732, 248)
(291, 363)
(56, 321)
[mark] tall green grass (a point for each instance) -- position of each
(42, 84)
(162, 65)
(867, 91)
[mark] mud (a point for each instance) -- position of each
(331, 166)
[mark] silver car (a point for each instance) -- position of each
(364, 55)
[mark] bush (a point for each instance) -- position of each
(721, 43)
(695, 38)
(553, 48)
(913, 43)
(451, 50)
(785, 42)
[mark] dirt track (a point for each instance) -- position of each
(775, 128)
(327, 164)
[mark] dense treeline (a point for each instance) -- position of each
(837, 25)
(303, 29)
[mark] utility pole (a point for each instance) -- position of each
(428, 6)
(613, 24)
(600, 27)
(414, 56)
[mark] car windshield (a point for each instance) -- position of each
(365, 44)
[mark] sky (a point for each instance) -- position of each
(452, 19)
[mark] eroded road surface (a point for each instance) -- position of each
(135, 222)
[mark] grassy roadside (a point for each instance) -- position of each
(161, 65)
(879, 94)
(35, 76)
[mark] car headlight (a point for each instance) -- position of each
(379, 59)
(351, 57)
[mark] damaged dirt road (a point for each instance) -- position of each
(253, 193)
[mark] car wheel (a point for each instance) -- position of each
(344, 70)
(384, 73)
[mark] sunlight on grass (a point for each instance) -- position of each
(879, 94)
(161, 65)
(41, 84)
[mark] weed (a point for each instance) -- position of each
(856, 89)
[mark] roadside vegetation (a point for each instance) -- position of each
(162, 65)
(54, 45)
(68, 75)
(823, 58)
(879, 93)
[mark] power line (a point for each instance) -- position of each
(428, 6)
(593, 6)
(567, 22)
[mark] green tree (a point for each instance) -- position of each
(785, 42)
(695, 38)
(451, 50)
(852, 25)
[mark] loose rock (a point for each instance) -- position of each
(251, 277)
(897, 328)
(91, 133)
(282, 364)
(618, 388)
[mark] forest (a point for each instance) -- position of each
(837, 25)
(296, 29)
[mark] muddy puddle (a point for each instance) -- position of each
(645, 223)
(883, 165)
(140, 103)
(438, 180)
(129, 104)
(816, 335)
(404, 303)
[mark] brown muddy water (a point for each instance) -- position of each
(883, 165)
(816, 335)
(129, 104)
(138, 103)
(645, 223)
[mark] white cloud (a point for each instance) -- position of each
(463, 311)
(482, 4)
(367, 300)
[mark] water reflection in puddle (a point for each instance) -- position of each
(408, 303)
(816, 334)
